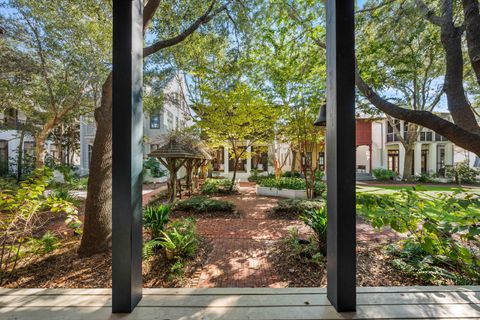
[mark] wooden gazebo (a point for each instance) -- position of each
(178, 152)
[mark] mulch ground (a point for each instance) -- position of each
(243, 249)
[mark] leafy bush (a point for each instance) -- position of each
(297, 206)
(47, 243)
(462, 173)
(445, 227)
(384, 174)
(62, 194)
(154, 166)
(319, 188)
(20, 208)
(292, 174)
(218, 186)
(319, 175)
(304, 250)
(424, 178)
(255, 177)
(79, 183)
(180, 240)
(203, 204)
(317, 220)
(155, 219)
(284, 183)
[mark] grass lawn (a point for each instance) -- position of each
(423, 188)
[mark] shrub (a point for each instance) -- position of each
(20, 209)
(424, 178)
(462, 173)
(292, 174)
(62, 193)
(47, 243)
(284, 183)
(203, 204)
(255, 177)
(319, 175)
(317, 220)
(384, 174)
(180, 240)
(218, 186)
(154, 165)
(80, 183)
(297, 206)
(155, 219)
(319, 188)
(444, 226)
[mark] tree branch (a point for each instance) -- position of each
(472, 26)
(461, 137)
(429, 13)
(203, 19)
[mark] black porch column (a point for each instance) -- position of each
(341, 259)
(127, 154)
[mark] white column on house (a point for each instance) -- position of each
(449, 152)
(401, 158)
(226, 156)
(249, 159)
(417, 160)
(432, 155)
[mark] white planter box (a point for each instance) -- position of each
(282, 193)
(265, 191)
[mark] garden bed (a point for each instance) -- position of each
(63, 268)
(373, 267)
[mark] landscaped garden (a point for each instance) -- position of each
(406, 235)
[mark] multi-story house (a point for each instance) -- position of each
(173, 114)
(12, 124)
(378, 146)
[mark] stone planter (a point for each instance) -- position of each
(282, 193)
(266, 191)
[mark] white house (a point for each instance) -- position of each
(11, 122)
(432, 152)
(173, 114)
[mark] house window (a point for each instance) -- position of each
(391, 136)
(439, 137)
(321, 161)
(3, 157)
(29, 148)
(155, 121)
(426, 136)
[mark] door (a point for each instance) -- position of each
(393, 160)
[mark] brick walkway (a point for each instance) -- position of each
(240, 254)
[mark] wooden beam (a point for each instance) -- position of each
(127, 154)
(341, 258)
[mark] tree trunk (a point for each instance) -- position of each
(40, 151)
(408, 163)
(97, 230)
(234, 173)
(20, 155)
(172, 168)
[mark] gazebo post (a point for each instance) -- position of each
(127, 151)
(341, 256)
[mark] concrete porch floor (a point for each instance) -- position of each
(231, 303)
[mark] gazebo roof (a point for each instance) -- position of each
(175, 148)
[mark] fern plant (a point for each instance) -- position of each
(155, 219)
